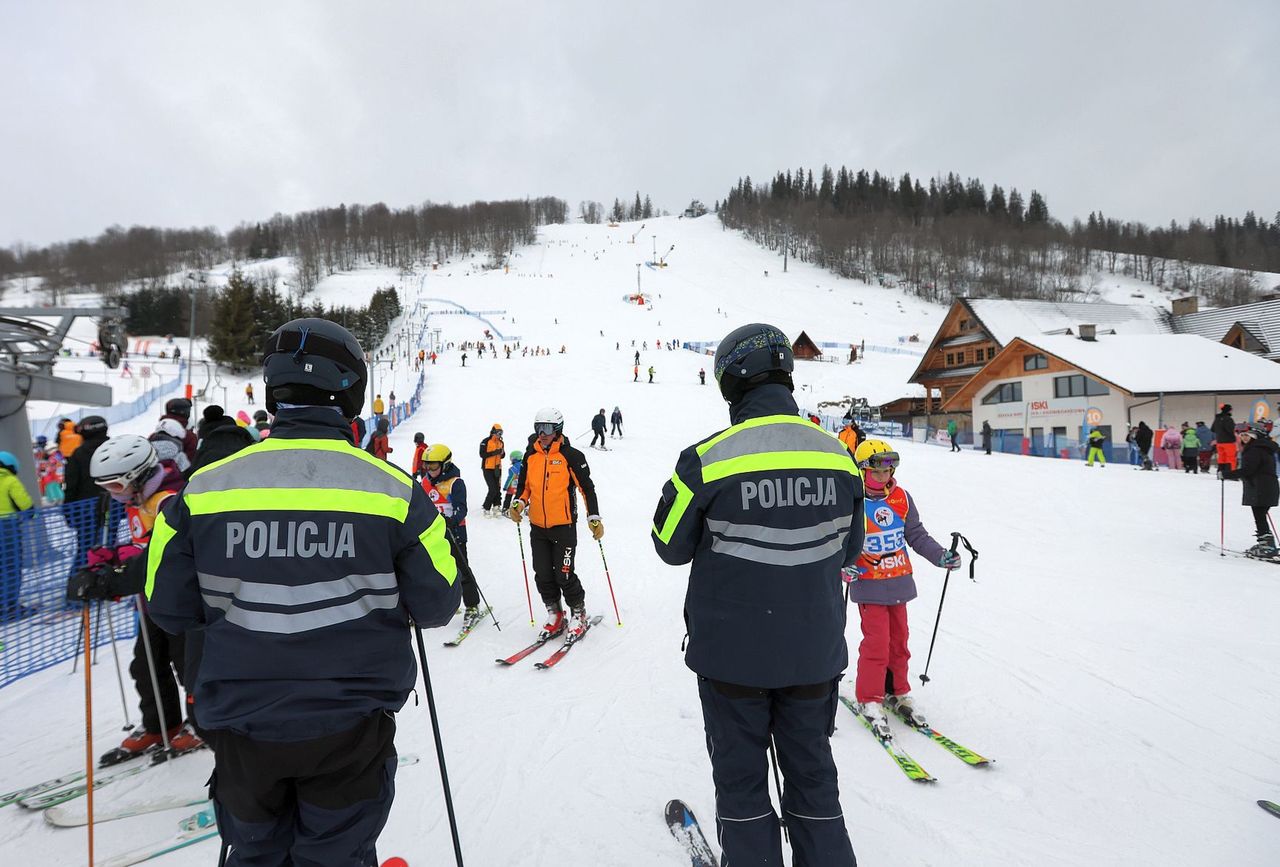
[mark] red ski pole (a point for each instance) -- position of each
(610, 580)
(525, 567)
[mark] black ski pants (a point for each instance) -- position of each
(470, 589)
(311, 803)
(617, 429)
(493, 479)
(553, 550)
(597, 435)
(739, 723)
(170, 658)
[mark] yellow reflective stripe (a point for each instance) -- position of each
(297, 499)
(779, 461)
(161, 534)
(273, 444)
(684, 497)
(437, 545)
(747, 425)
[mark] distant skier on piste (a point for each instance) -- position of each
(764, 510)
(513, 477)
(598, 427)
(492, 451)
(552, 474)
(883, 586)
(615, 423)
(302, 560)
(1256, 468)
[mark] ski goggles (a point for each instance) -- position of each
(118, 485)
(544, 428)
(882, 461)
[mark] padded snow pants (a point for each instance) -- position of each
(493, 479)
(883, 654)
(170, 656)
(739, 722)
(553, 550)
(313, 803)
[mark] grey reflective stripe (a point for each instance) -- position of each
(779, 535)
(302, 594)
(291, 623)
(299, 468)
(782, 437)
(776, 556)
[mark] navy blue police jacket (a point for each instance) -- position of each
(302, 559)
(768, 512)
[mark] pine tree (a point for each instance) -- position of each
(647, 211)
(1037, 210)
(637, 208)
(232, 340)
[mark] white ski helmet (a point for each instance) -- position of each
(122, 461)
(548, 415)
(172, 427)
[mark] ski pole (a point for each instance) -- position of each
(151, 670)
(97, 631)
(88, 726)
(973, 556)
(435, 730)
(124, 702)
(1222, 514)
(524, 566)
(610, 580)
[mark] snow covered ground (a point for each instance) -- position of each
(1121, 679)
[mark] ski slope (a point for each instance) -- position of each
(1121, 679)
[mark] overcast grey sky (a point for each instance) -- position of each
(179, 114)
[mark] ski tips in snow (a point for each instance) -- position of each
(1271, 807)
(684, 827)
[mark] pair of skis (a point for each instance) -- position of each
(192, 829)
(467, 630)
(909, 766)
(1215, 548)
(554, 658)
(58, 790)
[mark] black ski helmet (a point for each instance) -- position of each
(179, 406)
(92, 427)
(314, 362)
(419, 437)
(753, 355)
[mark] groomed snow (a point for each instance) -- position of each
(1122, 680)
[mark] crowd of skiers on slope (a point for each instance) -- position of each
(249, 566)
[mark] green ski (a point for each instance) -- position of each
(905, 763)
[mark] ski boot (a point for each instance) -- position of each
(138, 742)
(554, 625)
(905, 707)
(1265, 549)
(873, 712)
(578, 624)
(471, 617)
(185, 739)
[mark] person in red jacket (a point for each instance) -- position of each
(418, 468)
(379, 446)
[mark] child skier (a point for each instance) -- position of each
(884, 586)
(513, 476)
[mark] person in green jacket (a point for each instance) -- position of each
(1095, 448)
(952, 428)
(13, 499)
(1190, 449)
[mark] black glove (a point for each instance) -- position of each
(89, 584)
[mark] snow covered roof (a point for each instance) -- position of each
(1006, 318)
(1262, 319)
(1148, 364)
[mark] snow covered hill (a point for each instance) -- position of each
(1121, 679)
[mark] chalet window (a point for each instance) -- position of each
(1077, 385)
(964, 324)
(991, 352)
(1035, 361)
(1009, 392)
(951, 359)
